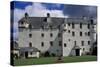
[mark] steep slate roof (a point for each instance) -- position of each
(37, 22)
(79, 20)
(28, 49)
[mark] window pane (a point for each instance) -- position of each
(68, 31)
(60, 43)
(88, 42)
(75, 43)
(42, 34)
(73, 25)
(65, 45)
(73, 33)
(51, 34)
(30, 44)
(42, 44)
(82, 42)
(80, 33)
(51, 43)
(30, 35)
(81, 25)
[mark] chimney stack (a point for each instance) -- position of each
(48, 14)
(26, 15)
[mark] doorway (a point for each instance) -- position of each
(77, 52)
(26, 54)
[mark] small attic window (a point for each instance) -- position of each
(45, 20)
(22, 22)
(91, 21)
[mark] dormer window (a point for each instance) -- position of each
(45, 20)
(22, 22)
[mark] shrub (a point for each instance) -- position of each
(46, 54)
(53, 54)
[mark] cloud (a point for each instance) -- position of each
(36, 9)
(80, 10)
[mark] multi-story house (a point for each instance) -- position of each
(59, 36)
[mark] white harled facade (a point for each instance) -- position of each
(59, 36)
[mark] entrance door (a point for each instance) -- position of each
(77, 52)
(26, 54)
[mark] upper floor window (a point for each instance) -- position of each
(88, 33)
(80, 33)
(42, 34)
(68, 24)
(68, 39)
(75, 43)
(60, 43)
(81, 25)
(59, 34)
(88, 42)
(30, 44)
(68, 31)
(82, 42)
(30, 35)
(91, 21)
(51, 43)
(42, 44)
(73, 33)
(88, 26)
(83, 49)
(64, 25)
(65, 45)
(73, 26)
(51, 35)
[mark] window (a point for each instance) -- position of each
(91, 21)
(45, 20)
(64, 25)
(68, 39)
(60, 43)
(68, 31)
(81, 25)
(30, 44)
(51, 34)
(73, 33)
(59, 34)
(88, 42)
(88, 26)
(80, 33)
(42, 35)
(42, 44)
(65, 44)
(82, 42)
(42, 27)
(90, 49)
(51, 43)
(88, 33)
(83, 49)
(75, 43)
(68, 24)
(50, 26)
(22, 22)
(31, 53)
(73, 25)
(30, 35)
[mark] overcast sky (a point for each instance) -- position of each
(56, 10)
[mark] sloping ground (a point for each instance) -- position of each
(52, 60)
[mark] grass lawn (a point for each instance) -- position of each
(52, 60)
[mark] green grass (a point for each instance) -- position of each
(52, 60)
